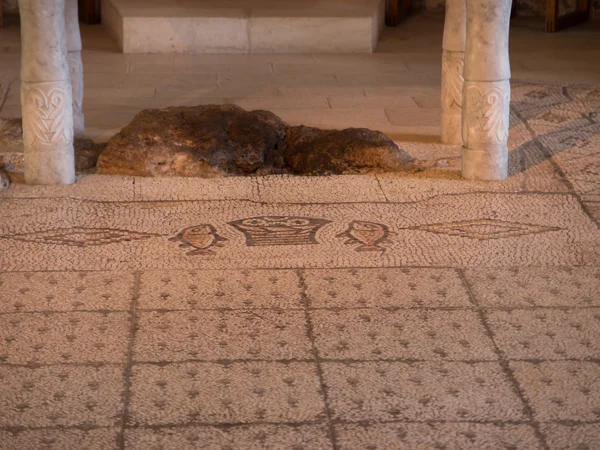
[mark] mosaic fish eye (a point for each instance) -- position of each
(296, 222)
(255, 222)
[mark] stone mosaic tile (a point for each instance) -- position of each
(221, 335)
(88, 187)
(65, 291)
(225, 393)
(572, 437)
(449, 436)
(297, 189)
(60, 439)
(560, 390)
(207, 189)
(593, 209)
(76, 337)
(250, 437)
(50, 396)
(384, 334)
(385, 288)
(547, 333)
(529, 286)
(465, 230)
(420, 392)
(220, 289)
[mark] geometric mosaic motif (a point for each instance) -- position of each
(484, 229)
(80, 237)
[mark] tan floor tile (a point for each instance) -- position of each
(61, 396)
(336, 119)
(571, 437)
(547, 333)
(544, 286)
(385, 288)
(221, 335)
(235, 188)
(231, 289)
(225, 393)
(61, 439)
(384, 334)
(248, 437)
(269, 103)
(75, 337)
(87, 187)
(65, 291)
(454, 436)
(561, 390)
(297, 189)
(363, 102)
(420, 391)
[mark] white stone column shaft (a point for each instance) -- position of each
(75, 64)
(453, 60)
(46, 94)
(486, 91)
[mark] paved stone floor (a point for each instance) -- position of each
(379, 311)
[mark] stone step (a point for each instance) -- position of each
(244, 26)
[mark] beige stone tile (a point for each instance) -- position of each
(385, 288)
(337, 119)
(547, 333)
(230, 289)
(221, 335)
(563, 436)
(54, 338)
(250, 437)
(50, 396)
(66, 291)
(61, 439)
(560, 390)
(363, 102)
(269, 103)
(543, 286)
(86, 187)
(450, 436)
(152, 80)
(183, 64)
(405, 81)
(384, 334)
(206, 189)
(420, 391)
(323, 91)
(299, 189)
(593, 209)
(225, 393)
(414, 117)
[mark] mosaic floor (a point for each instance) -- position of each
(358, 312)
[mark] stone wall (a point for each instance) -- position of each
(527, 8)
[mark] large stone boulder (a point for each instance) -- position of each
(193, 141)
(218, 140)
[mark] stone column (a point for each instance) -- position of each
(75, 64)
(453, 61)
(486, 91)
(46, 94)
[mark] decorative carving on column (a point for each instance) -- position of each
(453, 56)
(46, 96)
(47, 111)
(75, 64)
(486, 91)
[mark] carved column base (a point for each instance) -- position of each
(452, 92)
(485, 120)
(47, 132)
(76, 71)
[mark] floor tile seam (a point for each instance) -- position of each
(381, 188)
(504, 363)
(294, 269)
(62, 311)
(291, 203)
(309, 330)
(128, 381)
(325, 308)
(335, 422)
(288, 361)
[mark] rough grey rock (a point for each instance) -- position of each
(218, 140)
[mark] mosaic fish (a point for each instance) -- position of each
(369, 234)
(201, 237)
